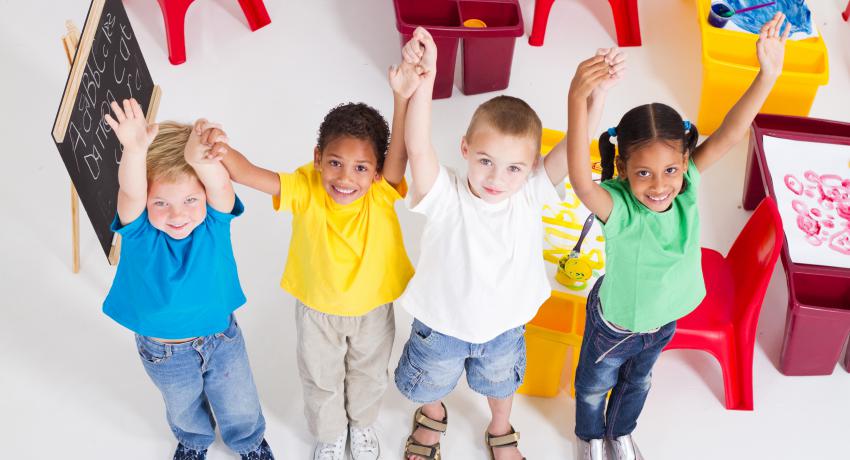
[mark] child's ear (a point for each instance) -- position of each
(464, 147)
(317, 158)
(621, 167)
(687, 163)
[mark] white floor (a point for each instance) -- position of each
(71, 383)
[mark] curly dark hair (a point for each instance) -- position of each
(356, 120)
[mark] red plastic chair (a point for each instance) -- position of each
(724, 324)
(174, 15)
(626, 22)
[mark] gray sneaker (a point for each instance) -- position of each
(624, 448)
(593, 450)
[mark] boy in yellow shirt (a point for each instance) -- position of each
(346, 265)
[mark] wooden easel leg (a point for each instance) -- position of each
(115, 252)
(75, 229)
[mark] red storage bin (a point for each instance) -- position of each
(487, 52)
(818, 318)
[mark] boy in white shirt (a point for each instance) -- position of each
(480, 275)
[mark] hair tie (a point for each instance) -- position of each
(612, 132)
(687, 124)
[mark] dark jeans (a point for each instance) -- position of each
(625, 369)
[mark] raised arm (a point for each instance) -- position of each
(242, 171)
(204, 142)
(589, 75)
(770, 49)
(424, 166)
(136, 136)
(404, 79)
(555, 161)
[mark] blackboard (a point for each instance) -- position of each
(108, 66)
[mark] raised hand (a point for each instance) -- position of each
(589, 75)
(421, 50)
(616, 60)
(206, 144)
(405, 78)
(130, 126)
(770, 47)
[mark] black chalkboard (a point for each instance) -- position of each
(108, 66)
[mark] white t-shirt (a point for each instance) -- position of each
(480, 270)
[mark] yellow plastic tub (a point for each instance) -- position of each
(556, 330)
(729, 65)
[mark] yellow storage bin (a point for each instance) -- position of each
(556, 330)
(729, 65)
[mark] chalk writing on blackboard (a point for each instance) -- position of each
(108, 67)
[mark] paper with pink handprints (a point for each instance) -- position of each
(812, 185)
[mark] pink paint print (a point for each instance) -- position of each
(819, 196)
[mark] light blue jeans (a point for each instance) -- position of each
(432, 363)
(208, 375)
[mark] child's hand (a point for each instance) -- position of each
(616, 60)
(206, 144)
(770, 47)
(405, 78)
(421, 51)
(589, 75)
(131, 127)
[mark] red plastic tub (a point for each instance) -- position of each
(818, 319)
(487, 52)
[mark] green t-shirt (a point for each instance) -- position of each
(653, 272)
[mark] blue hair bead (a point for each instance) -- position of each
(612, 132)
(687, 124)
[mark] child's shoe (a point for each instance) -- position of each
(333, 451)
(364, 443)
(185, 453)
(624, 448)
(593, 450)
(263, 452)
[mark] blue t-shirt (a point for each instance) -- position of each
(174, 289)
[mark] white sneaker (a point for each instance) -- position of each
(333, 451)
(624, 448)
(364, 443)
(593, 450)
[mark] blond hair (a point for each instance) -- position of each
(165, 160)
(510, 116)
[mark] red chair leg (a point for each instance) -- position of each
(743, 381)
(626, 21)
(541, 17)
(255, 13)
(846, 13)
(174, 17)
(726, 357)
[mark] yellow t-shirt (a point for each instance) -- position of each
(343, 259)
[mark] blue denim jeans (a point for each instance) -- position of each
(431, 364)
(208, 375)
(617, 361)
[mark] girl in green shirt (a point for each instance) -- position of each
(651, 224)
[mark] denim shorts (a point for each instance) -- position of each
(431, 364)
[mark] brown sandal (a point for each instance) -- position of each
(506, 440)
(429, 452)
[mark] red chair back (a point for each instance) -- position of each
(752, 259)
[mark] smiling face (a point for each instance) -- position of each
(655, 173)
(498, 164)
(348, 166)
(177, 207)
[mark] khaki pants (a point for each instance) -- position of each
(343, 362)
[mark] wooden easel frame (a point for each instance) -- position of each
(70, 42)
